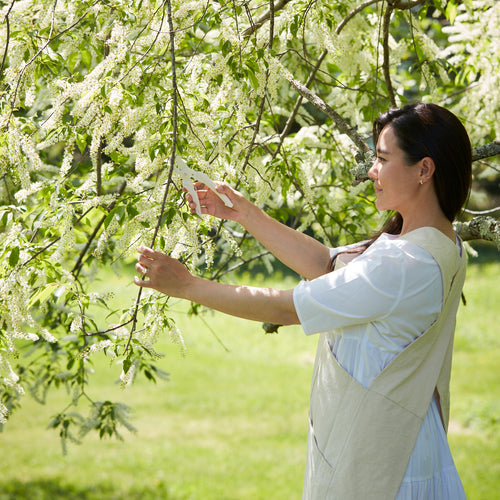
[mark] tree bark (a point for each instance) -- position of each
(479, 228)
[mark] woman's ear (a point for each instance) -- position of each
(427, 169)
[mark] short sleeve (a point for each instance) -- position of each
(366, 290)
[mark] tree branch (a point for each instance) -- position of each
(405, 5)
(385, 44)
(486, 151)
(341, 124)
(78, 265)
(357, 10)
(271, 23)
(172, 156)
(99, 169)
(265, 17)
(7, 37)
(479, 228)
(298, 103)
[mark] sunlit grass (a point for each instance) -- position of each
(232, 421)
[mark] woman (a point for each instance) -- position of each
(386, 315)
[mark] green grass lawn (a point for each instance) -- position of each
(232, 424)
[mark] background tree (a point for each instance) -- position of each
(98, 98)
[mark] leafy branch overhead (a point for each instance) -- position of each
(98, 100)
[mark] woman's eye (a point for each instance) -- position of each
(379, 158)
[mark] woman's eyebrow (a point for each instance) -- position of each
(382, 151)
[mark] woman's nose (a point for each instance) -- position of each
(373, 172)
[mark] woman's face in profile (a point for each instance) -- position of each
(396, 183)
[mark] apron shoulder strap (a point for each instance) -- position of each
(411, 377)
(438, 245)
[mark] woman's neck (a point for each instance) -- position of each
(437, 221)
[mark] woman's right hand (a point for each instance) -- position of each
(211, 204)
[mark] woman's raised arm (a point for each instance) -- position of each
(305, 255)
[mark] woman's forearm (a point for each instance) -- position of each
(258, 304)
(305, 255)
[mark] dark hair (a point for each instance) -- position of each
(428, 130)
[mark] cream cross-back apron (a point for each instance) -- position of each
(361, 439)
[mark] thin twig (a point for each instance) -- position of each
(386, 64)
(481, 212)
(78, 265)
(172, 157)
(212, 331)
(143, 56)
(405, 5)
(357, 10)
(7, 37)
(271, 23)
(241, 264)
(265, 17)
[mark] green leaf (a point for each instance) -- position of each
(72, 61)
(127, 364)
(86, 57)
(451, 12)
(81, 142)
(43, 294)
(14, 257)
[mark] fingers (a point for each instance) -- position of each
(147, 267)
(209, 199)
(142, 283)
(148, 253)
(202, 190)
(161, 272)
(202, 198)
(143, 266)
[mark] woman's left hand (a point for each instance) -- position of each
(163, 273)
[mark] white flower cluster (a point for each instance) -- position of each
(4, 413)
(77, 325)
(131, 235)
(67, 161)
(14, 295)
(103, 345)
(233, 243)
(176, 337)
(209, 249)
(8, 378)
(126, 378)
(474, 47)
(106, 235)
(67, 238)
(22, 195)
(20, 154)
